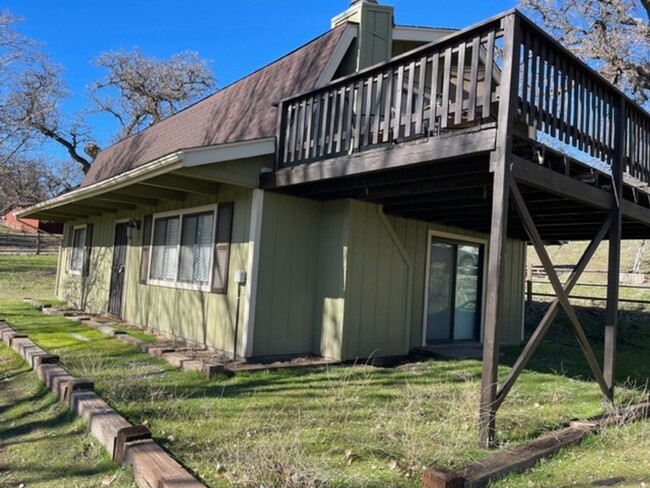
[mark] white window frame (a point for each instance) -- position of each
(71, 250)
(458, 238)
(180, 213)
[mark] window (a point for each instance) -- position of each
(196, 244)
(165, 249)
(187, 249)
(453, 301)
(77, 248)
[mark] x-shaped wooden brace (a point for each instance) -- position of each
(562, 300)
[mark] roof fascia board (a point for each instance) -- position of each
(219, 177)
(349, 35)
(155, 168)
(227, 152)
(419, 34)
(186, 158)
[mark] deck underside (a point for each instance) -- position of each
(447, 179)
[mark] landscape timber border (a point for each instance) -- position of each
(175, 357)
(129, 445)
(480, 473)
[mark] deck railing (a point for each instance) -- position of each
(413, 95)
(637, 143)
(565, 99)
(453, 84)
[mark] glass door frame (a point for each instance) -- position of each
(459, 240)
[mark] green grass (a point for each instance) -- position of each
(27, 275)
(353, 426)
(33, 424)
(43, 444)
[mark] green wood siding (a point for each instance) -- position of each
(374, 42)
(201, 317)
(343, 280)
(514, 292)
(335, 278)
(89, 292)
(414, 236)
(378, 290)
(286, 276)
(198, 316)
(331, 279)
(376, 35)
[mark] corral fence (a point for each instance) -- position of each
(24, 243)
(631, 284)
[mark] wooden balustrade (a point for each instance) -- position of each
(561, 97)
(637, 143)
(453, 84)
(436, 88)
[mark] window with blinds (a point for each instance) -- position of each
(77, 248)
(164, 259)
(180, 249)
(196, 242)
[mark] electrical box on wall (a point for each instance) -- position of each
(240, 277)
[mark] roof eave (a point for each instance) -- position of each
(185, 158)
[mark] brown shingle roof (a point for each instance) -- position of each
(241, 111)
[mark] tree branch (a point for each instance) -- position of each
(71, 148)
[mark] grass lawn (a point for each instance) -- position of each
(353, 426)
(33, 424)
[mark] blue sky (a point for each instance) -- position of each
(237, 36)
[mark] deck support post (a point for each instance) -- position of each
(614, 256)
(492, 330)
(500, 165)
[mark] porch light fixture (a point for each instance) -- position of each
(130, 225)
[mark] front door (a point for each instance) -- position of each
(454, 293)
(116, 290)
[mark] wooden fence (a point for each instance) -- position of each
(17, 243)
(530, 292)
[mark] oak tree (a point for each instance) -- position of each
(613, 36)
(137, 90)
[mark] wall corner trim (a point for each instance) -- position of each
(254, 240)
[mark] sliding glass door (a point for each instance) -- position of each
(454, 293)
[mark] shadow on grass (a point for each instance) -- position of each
(52, 422)
(38, 396)
(39, 473)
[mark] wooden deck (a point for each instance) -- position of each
(496, 128)
(423, 150)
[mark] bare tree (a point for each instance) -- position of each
(31, 111)
(24, 181)
(137, 90)
(14, 48)
(149, 89)
(613, 36)
(16, 52)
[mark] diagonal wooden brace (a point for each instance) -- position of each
(551, 313)
(562, 296)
